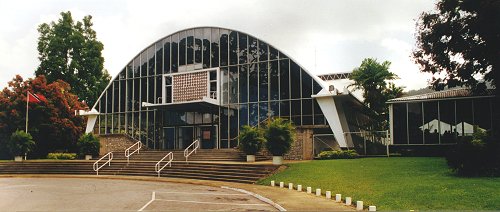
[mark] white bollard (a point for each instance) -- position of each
(299, 187)
(309, 190)
(372, 208)
(318, 192)
(290, 186)
(338, 197)
(359, 205)
(272, 183)
(282, 184)
(328, 194)
(348, 201)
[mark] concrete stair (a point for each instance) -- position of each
(202, 155)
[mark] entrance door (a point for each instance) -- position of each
(169, 135)
(207, 137)
(185, 137)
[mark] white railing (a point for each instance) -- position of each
(195, 145)
(170, 157)
(138, 146)
(96, 164)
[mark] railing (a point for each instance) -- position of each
(195, 145)
(127, 151)
(170, 157)
(96, 164)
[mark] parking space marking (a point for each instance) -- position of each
(213, 203)
(221, 194)
(153, 197)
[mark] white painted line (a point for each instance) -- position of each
(213, 203)
(221, 194)
(16, 186)
(261, 198)
(153, 198)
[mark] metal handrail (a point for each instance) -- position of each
(195, 145)
(96, 164)
(127, 151)
(170, 156)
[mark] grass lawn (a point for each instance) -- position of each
(396, 183)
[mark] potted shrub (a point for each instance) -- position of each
(19, 144)
(279, 135)
(88, 145)
(251, 141)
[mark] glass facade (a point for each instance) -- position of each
(443, 121)
(256, 82)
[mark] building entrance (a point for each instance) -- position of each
(180, 137)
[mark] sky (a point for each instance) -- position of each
(323, 36)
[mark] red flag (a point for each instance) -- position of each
(34, 98)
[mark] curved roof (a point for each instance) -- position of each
(316, 78)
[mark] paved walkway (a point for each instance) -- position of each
(187, 194)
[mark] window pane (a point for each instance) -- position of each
(166, 55)
(482, 113)
(243, 48)
(123, 93)
(233, 48)
(243, 114)
(253, 114)
(198, 44)
(263, 82)
(296, 110)
(225, 85)
(253, 52)
(215, 48)
(447, 121)
(182, 48)
(159, 57)
(285, 109)
(190, 47)
(175, 53)
(263, 112)
(263, 51)
(415, 122)
(273, 53)
(464, 126)
(431, 125)
(233, 84)
(151, 61)
(253, 81)
(243, 81)
(206, 48)
(116, 93)
(284, 79)
(274, 81)
(306, 85)
(295, 80)
(144, 63)
(224, 45)
(400, 124)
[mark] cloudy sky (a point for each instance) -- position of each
(324, 36)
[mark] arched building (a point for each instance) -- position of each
(208, 82)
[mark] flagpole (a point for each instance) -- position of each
(27, 98)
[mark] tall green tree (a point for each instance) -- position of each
(373, 79)
(459, 42)
(70, 52)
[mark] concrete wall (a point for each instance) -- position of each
(115, 143)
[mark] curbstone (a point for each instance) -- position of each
(282, 184)
(348, 201)
(328, 194)
(338, 197)
(372, 208)
(309, 190)
(299, 188)
(318, 192)
(359, 205)
(272, 183)
(290, 186)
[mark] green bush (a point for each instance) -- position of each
(279, 135)
(20, 143)
(88, 144)
(61, 156)
(476, 156)
(251, 140)
(338, 154)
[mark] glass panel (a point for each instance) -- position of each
(284, 108)
(296, 110)
(274, 108)
(431, 125)
(182, 48)
(482, 113)
(253, 82)
(447, 121)
(137, 66)
(295, 80)
(130, 70)
(284, 79)
(283, 56)
(263, 51)
(253, 114)
(263, 112)
(159, 92)
(243, 48)
(144, 91)
(166, 55)
(206, 48)
(243, 81)
(123, 93)
(316, 87)
(159, 57)
(144, 63)
(198, 44)
(233, 48)
(190, 47)
(233, 128)
(464, 127)
(263, 82)
(273, 53)
(225, 85)
(151, 61)
(415, 122)
(136, 89)
(224, 45)
(224, 123)
(233, 84)
(274, 80)
(253, 50)
(116, 98)
(243, 114)
(130, 101)
(215, 48)
(151, 89)
(123, 73)
(318, 114)
(109, 100)
(306, 85)
(400, 124)
(175, 53)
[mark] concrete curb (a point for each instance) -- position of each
(261, 198)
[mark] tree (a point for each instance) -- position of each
(52, 124)
(372, 77)
(70, 52)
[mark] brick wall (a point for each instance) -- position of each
(115, 143)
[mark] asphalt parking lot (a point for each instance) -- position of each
(82, 194)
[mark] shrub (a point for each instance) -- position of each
(88, 144)
(251, 140)
(476, 156)
(20, 143)
(279, 135)
(61, 156)
(338, 154)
